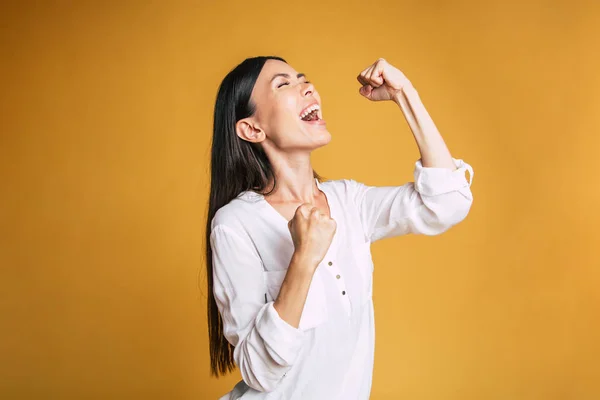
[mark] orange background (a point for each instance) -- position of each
(106, 116)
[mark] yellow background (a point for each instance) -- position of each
(104, 149)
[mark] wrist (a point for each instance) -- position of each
(304, 261)
(399, 95)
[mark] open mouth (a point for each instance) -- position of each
(311, 114)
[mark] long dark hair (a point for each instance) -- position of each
(236, 165)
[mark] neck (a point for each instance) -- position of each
(295, 183)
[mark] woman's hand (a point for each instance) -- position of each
(312, 233)
(381, 81)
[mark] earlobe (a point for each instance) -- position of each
(246, 130)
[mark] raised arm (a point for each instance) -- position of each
(440, 195)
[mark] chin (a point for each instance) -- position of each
(322, 139)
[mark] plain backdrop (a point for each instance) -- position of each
(105, 132)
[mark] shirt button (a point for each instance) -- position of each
(330, 263)
(343, 292)
(338, 276)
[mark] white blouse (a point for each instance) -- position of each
(330, 355)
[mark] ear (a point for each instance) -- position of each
(248, 130)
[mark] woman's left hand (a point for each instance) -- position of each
(381, 81)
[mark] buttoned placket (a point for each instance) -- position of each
(330, 263)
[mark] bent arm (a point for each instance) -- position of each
(265, 335)
(440, 196)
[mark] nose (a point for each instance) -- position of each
(308, 89)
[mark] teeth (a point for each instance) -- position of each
(309, 110)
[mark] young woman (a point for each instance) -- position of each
(289, 261)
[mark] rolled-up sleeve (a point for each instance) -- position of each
(438, 199)
(265, 345)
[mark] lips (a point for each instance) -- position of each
(316, 122)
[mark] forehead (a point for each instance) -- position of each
(273, 67)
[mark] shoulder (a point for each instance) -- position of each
(234, 215)
(340, 185)
(346, 190)
(229, 227)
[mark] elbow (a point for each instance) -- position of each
(439, 218)
(258, 369)
(265, 386)
(261, 381)
(449, 216)
(258, 383)
(268, 352)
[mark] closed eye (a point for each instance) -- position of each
(287, 83)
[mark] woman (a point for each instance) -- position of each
(289, 261)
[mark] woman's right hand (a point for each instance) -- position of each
(312, 233)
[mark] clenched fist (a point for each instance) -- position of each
(312, 233)
(381, 81)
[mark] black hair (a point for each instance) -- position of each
(236, 165)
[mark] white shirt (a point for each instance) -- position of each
(330, 355)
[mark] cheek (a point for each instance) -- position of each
(286, 106)
(278, 111)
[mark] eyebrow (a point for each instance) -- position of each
(300, 75)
